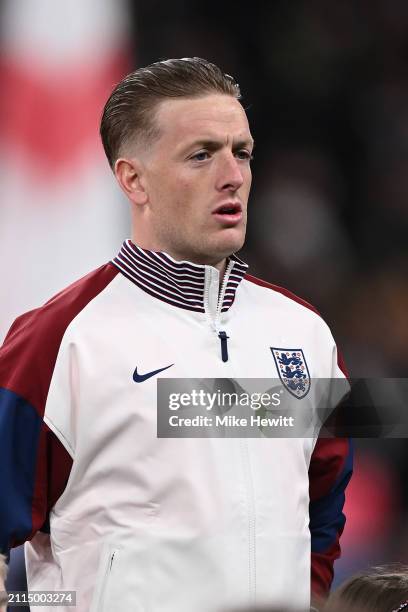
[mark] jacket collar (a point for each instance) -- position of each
(180, 283)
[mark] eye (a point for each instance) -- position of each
(200, 156)
(244, 155)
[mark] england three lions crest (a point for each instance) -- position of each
(293, 371)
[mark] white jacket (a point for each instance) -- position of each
(135, 522)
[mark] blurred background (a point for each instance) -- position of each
(325, 86)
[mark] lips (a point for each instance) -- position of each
(229, 208)
(229, 213)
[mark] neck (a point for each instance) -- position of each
(221, 267)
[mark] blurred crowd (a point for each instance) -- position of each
(325, 85)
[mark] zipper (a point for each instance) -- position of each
(222, 295)
(104, 582)
(250, 497)
(224, 346)
(222, 334)
(111, 558)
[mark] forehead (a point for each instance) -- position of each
(214, 115)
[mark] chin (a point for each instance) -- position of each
(230, 244)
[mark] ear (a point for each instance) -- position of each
(129, 174)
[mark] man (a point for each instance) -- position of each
(128, 520)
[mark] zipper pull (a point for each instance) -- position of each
(224, 347)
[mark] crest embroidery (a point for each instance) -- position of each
(293, 371)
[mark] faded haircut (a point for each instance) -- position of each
(129, 113)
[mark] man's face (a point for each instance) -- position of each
(197, 176)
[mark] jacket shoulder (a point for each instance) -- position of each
(285, 292)
(30, 349)
(305, 307)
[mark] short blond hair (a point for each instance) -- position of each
(129, 113)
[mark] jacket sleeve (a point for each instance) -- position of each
(330, 470)
(34, 464)
(329, 473)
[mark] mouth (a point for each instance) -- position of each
(229, 213)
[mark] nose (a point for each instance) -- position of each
(230, 177)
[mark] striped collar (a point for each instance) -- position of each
(180, 283)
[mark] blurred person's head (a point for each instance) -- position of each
(3, 574)
(178, 141)
(381, 589)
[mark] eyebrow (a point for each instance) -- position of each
(216, 145)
